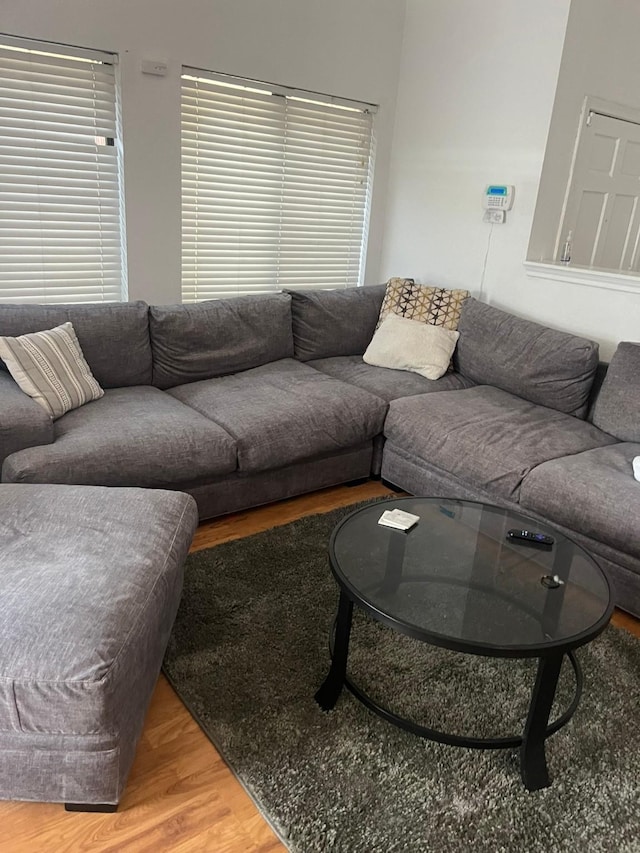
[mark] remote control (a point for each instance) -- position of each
(529, 537)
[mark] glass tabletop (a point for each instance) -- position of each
(457, 580)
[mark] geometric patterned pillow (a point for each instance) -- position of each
(433, 305)
(49, 366)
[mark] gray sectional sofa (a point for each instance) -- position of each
(254, 399)
(238, 403)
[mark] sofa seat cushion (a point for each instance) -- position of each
(486, 437)
(593, 493)
(384, 382)
(84, 575)
(130, 437)
(284, 412)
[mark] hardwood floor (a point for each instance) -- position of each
(181, 797)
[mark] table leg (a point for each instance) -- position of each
(533, 762)
(328, 694)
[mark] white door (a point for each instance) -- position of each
(603, 210)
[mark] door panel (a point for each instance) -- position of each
(603, 153)
(622, 211)
(631, 160)
(587, 227)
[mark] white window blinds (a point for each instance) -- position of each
(275, 188)
(61, 228)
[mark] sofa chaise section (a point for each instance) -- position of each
(133, 436)
(114, 338)
(136, 436)
(90, 580)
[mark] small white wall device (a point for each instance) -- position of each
(498, 197)
(158, 67)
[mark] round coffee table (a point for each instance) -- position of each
(458, 580)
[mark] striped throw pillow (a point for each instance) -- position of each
(50, 367)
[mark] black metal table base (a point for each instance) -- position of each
(508, 742)
(328, 694)
(537, 727)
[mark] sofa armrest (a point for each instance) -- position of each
(23, 423)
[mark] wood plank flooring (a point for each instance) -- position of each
(181, 797)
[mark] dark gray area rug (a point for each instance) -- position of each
(250, 648)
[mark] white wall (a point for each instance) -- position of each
(600, 58)
(476, 95)
(339, 47)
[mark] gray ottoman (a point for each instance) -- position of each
(90, 580)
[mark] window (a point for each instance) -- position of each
(61, 227)
(275, 188)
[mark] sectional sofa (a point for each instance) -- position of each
(243, 401)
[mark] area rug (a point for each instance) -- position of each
(250, 648)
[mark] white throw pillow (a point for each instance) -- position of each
(49, 366)
(412, 345)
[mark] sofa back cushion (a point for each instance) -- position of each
(551, 368)
(329, 323)
(50, 368)
(617, 406)
(113, 336)
(214, 338)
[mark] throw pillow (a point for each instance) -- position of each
(434, 305)
(412, 345)
(49, 366)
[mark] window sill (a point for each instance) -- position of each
(606, 279)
